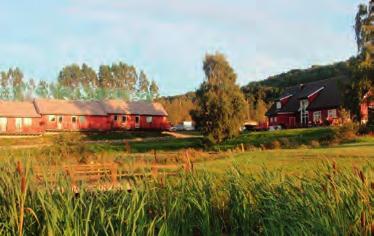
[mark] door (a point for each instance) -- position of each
(3, 124)
(18, 124)
(137, 122)
(292, 122)
(59, 122)
(74, 122)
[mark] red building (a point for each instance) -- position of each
(63, 115)
(310, 104)
(19, 118)
(136, 115)
(367, 108)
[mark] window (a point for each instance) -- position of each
(115, 118)
(52, 118)
(27, 121)
(303, 112)
(60, 119)
(331, 113)
(82, 119)
(124, 119)
(317, 116)
(275, 119)
(137, 119)
(149, 119)
(74, 119)
(279, 105)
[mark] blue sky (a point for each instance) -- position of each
(169, 38)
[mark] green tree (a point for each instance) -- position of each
(42, 89)
(154, 90)
(143, 86)
(221, 107)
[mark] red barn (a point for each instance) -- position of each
(367, 108)
(136, 115)
(63, 115)
(19, 118)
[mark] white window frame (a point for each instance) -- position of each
(27, 121)
(124, 119)
(279, 105)
(115, 118)
(317, 116)
(275, 119)
(332, 113)
(149, 119)
(52, 118)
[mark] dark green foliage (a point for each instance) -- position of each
(220, 104)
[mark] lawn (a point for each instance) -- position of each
(297, 161)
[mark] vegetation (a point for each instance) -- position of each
(221, 106)
(333, 201)
(116, 81)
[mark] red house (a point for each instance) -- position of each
(310, 104)
(136, 115)
(19, 118)
(367, 108)
(63, 115)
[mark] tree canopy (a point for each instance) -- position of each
(220, 110)
(81, 82)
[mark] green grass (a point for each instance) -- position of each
(296, 161)
(333, 201)
(293, 136)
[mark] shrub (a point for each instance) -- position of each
(285, 142)
(314, 144)
(275, 144)
(346, 132)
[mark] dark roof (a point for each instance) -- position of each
(329, 96)
(291, 106)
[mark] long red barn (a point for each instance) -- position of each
(61, 115)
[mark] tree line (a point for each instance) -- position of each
(81, 82)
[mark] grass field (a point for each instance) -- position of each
(304, 186)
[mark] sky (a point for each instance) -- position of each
(168, 39)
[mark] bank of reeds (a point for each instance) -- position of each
(332, 202)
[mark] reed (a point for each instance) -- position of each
(333, 201)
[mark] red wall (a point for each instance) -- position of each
(284, 120)
(100, 123)
(324, 113)
(158, 122)
(34, 128)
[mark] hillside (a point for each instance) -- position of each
(260, 94)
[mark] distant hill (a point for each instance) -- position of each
(300, 76)
(262, 93)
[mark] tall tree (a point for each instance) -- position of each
(221, 105)
(42, 89)
(154, 90)
(143, 86)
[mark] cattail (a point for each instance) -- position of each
(363, 220)
(334, 166)
(372, 187)
(154, 171)
(362, 177)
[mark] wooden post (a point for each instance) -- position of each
(242, 146)
(113, 172)
(155, 155)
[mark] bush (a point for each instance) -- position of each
(275, 144)
(285, 142)
(346, 132)
(314, 144)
